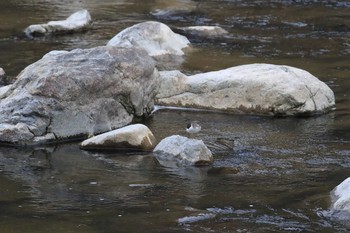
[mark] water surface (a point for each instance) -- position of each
(287, 166)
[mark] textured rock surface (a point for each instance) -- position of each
(76, 22)
(204, 31)
(182, 151)
(74, 94)
(156, 38)
(341, 196)
(255, 88)
(131, 137)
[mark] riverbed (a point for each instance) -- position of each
(276, 178)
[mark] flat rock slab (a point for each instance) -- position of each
(131, 137)
(75, 22)
(256, 88)
(74, 94)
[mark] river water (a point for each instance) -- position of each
(278, 176)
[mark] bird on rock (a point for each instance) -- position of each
(193, 127)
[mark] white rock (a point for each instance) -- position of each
(156, 38)
(182, 151)
(137, 137)
(77, 21)
(341, 196)
(254, 88)
(204, 31)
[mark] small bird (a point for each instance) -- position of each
(193, 127)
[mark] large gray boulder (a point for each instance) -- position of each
(165, 46)
(131, 137)
(256, 88)
(75, 22)
(178, 151)
(341, 196)
(75, 94)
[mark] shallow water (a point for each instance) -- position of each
(287, 166)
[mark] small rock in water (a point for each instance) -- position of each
(75, 22)
(2, 76)
(222, 170)
(177, 151)
(131, 137)
(156, 38)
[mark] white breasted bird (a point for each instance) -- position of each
(193, 127)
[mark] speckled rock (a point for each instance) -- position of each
(131, 137)
(255, 88)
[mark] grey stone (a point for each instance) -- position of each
(160, 42)
(78, 93)
(178, 151)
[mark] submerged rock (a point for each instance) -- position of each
(255, 88)
(156, 38)
(172, 8)
(76, 22)
(341, 196)
(204, 31)
(74, 94)
(182, 151)
(131, 137)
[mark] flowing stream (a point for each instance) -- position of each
(277, 177)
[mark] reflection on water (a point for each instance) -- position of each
(286, 169)
(279, 173)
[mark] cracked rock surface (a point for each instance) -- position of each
(255, 88)
(78, 93)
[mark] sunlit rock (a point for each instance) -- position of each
(256, 88)
(131, 137)
(341, 196)
(156, 38)
(78, 93)
(182, 151)
(76, 22)
(204, 31)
